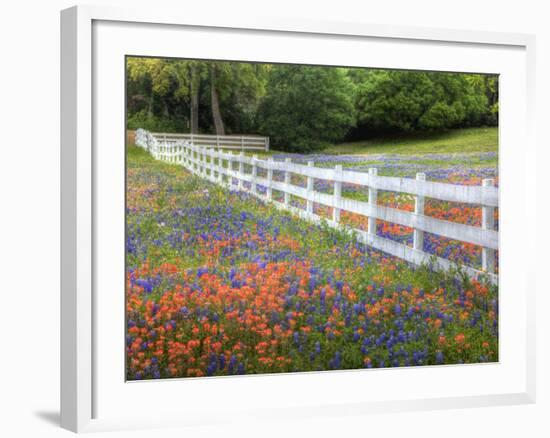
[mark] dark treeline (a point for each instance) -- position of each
(302, 108)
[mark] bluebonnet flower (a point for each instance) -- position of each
(145, 284)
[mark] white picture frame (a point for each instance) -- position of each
(88, 387)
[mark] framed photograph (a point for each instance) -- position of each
(286, 218)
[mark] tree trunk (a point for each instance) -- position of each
(216, 115)
(150, 105)
(194, 92)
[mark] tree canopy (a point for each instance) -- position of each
(302, 108)
(411, 101)
(305, 107)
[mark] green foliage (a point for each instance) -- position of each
(392, 100)
(306, 107)
(241, 87)
(303, 108)
(453, 141)
(154, 123)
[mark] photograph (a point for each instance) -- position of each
(285, 218)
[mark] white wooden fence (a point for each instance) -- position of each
(228, 169)
(230, 142)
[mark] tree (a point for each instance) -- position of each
(236, 89)
(306, 107)
(216, 114)
(200, 92)
(408, 101)
(164, 82)
(195, 69)
(300, 107)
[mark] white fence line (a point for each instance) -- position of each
(231, 142)
(219, 167)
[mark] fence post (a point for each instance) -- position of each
(418, 235)
(337, 193)
(242, 143)
(212, 153)
(220, 166)
(199, 161)
(241, 170)
(267, 143)
(254, 174)
(373, 196)
(287, 182)
(310, 181)
(229, 168)
(269, 178)
(203, 161)
(205, 155)
(488, 223)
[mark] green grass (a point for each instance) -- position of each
(467, 140)
(414, 149)
(458, 141)
(454, 141)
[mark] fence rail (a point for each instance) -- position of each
(230, 142)
(228, 169)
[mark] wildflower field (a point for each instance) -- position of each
(220, 283)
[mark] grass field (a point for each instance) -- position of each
(219, 283)
(454, 156)
(456, 141)
(468, 140)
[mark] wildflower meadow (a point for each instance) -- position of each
(220, 283)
